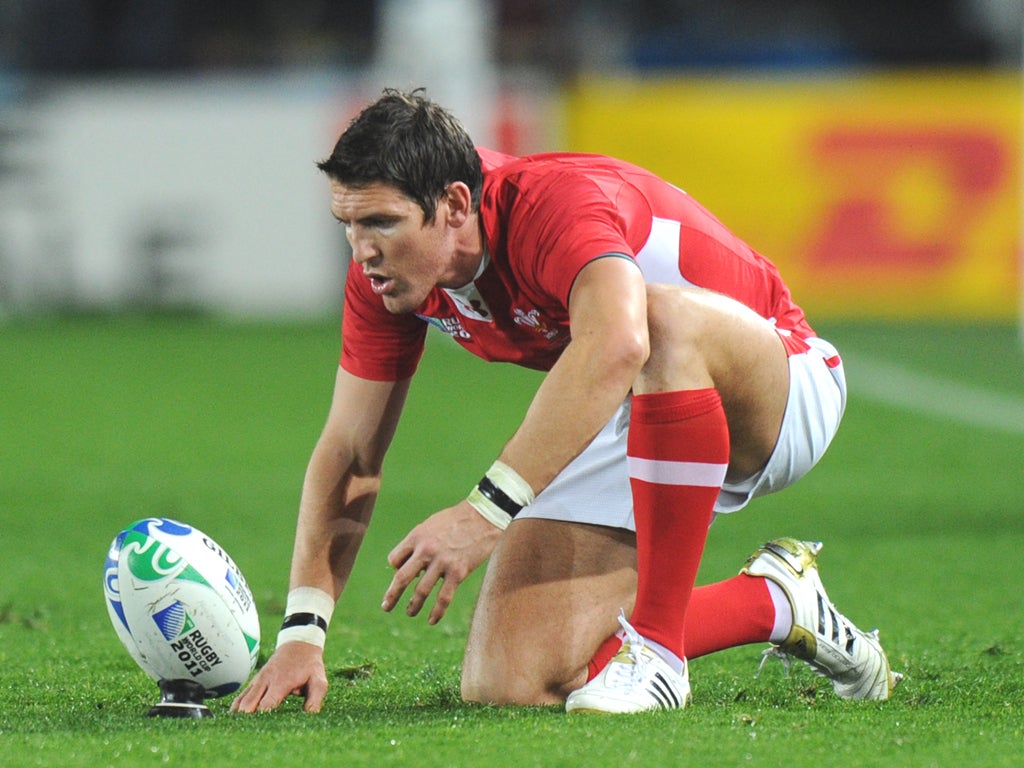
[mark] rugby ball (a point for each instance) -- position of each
(181, 606)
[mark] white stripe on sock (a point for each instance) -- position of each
(693, 473)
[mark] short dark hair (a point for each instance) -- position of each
(407, 141)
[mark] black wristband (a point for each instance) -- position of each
(501, 499)
(304, 620)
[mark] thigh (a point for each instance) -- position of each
(550, 597)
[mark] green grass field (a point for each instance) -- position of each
(106, 420)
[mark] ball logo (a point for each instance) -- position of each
(173, 620)
(187, 641)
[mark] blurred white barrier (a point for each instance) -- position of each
(175, 194)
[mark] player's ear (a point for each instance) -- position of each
(460, 203)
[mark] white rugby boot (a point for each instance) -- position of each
(821, 636)
(636, 680)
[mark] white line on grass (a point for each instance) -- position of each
(933, 396)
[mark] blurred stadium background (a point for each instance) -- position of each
(159, 154)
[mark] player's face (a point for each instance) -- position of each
(402, 256)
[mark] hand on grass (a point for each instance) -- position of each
(446, 548)
(295, 669)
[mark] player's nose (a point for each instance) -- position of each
(363, 250)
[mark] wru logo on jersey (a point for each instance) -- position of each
(533, 321)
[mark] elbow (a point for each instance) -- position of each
(638, 348)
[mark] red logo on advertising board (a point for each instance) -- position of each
(904, 198)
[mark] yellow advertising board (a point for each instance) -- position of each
(894, 195)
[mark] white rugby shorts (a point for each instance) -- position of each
(594, 487)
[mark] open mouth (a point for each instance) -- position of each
(381, 285)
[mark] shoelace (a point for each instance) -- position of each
(775, 653)
(636, 644)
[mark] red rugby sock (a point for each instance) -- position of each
(604, 654)
(678, 452)
(733, 612)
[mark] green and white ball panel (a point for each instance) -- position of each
(181, 606)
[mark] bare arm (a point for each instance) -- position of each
(608, 316)
(342, 480)
(608, 312)
(340, 488)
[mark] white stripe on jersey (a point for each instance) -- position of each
(677, 472)
(659, 258)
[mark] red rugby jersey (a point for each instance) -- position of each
(544, 218)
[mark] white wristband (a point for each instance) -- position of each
(490, 511)
(500, 495)
(307, 615)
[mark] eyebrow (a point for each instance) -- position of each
(373, 219)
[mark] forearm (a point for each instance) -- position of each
(609, 348)
(342, 480)
(334, 513)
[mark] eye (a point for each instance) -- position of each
(381, 222)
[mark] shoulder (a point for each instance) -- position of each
(562, 187)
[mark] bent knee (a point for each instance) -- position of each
(678, 314)
(702, 338)
(676, 318)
